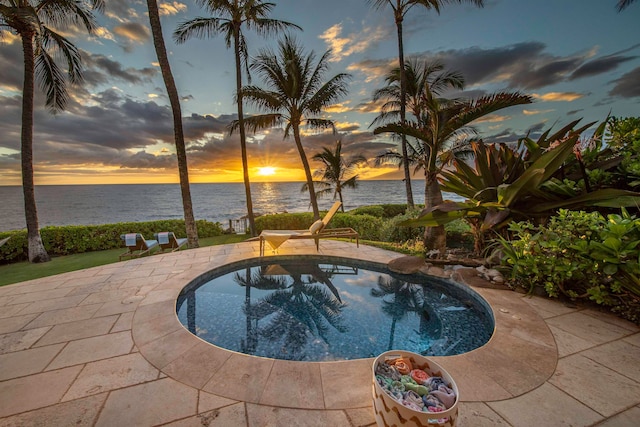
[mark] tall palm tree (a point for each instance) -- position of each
(442, 122)
(33, 22)
(174, 99)
(336, 168)
(623, 4)
(400, 9)
(295, 95)
(235, 14)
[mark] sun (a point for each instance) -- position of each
(266, 171)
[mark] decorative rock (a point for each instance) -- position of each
(439, 272)
(491, 273)
(406, 264)
(498, 279)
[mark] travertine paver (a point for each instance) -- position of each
(149, 404)
(91, 349)
(545, 406)
(603, 390)
(111, 374)
(103, 346)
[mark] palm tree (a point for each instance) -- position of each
(444, 121)
(32, 21)
(234, 15)
(296, 95)
(172, 91)
(623, 4)
(335, 169)
(400, 9)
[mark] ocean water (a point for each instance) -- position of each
(105, 204)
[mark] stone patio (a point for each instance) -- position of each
(104, 347)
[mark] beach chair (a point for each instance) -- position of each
(136, 245)
(168, 241)
(317, 231)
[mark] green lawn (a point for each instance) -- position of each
(21, 271)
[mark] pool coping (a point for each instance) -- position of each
(520, 356)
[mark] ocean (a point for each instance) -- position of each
(105, 204)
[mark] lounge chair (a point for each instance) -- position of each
(168, 241)
(136, 245)
(317, 231)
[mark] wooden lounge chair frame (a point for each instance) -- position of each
(141, 247)
(321, 233)
(174, 244)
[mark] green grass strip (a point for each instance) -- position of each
(23, 271)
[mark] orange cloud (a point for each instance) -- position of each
(558, 96)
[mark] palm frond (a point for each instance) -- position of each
(199, 27)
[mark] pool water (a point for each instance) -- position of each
(325, 308)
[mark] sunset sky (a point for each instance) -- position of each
(577, 58)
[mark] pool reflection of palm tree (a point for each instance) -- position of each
(304, 309)
(407, 298)
(254, 312)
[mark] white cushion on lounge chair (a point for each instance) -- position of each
(316, 226)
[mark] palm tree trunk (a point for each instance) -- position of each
(307, 171)
(403, 111)
(434, 237)
(36, 250)
(172, 91)
(243, 137)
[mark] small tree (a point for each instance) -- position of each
(296, 95)
(334, 173)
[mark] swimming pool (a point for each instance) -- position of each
(316, 308)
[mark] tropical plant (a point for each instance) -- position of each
(443, 123)
(519, 183)
(336, 168)
(400, 9)
(235, 15)
(33, 22)
(295, 96)
(579, 255)
(178, 134)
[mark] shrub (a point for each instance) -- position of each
(579, 255)
(73, 239)
(391, 231)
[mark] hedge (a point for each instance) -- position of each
(73, 239)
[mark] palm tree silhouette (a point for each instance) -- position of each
(295, 95)
(33, 22)
(251, 14)
(336, 169)
(174, 99)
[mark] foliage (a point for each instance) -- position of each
(73, 239)
(624, 140)
(381, 211)
(334, 172)
(520, 183)
(579, 255)
(392, 232)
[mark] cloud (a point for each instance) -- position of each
(558, 96)
(627, 86)
(101, 70)
(535, 112)
(600, 66)
(342, 47)
(133, 31)
(118, 9)
(166, 9)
